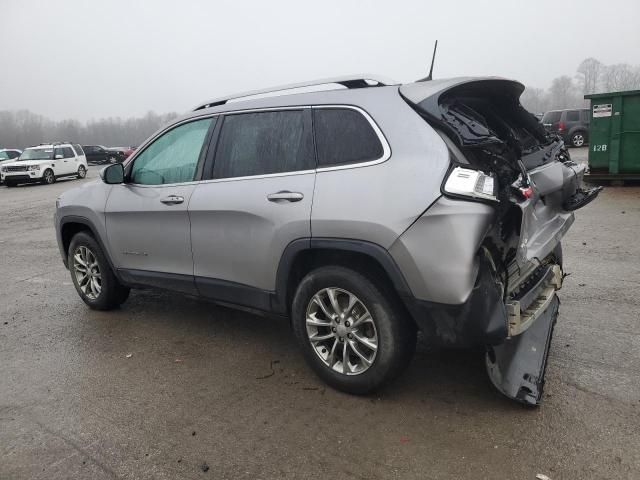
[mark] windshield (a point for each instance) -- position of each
(4, 156)
(37, 154)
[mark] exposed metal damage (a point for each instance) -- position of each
(534, 189)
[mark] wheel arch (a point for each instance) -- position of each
(305, 254)
(71, 225)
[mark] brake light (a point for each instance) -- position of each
(560, 126)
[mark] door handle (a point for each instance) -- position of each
(285, 195)
(172, 200)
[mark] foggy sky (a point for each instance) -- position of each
(92, 59)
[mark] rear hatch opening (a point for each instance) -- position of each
(538, 188)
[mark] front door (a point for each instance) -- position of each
(147, 222)
(257, 200)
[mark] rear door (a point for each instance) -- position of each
(148, 226)
(257, 201)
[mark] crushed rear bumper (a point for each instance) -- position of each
(517, 367)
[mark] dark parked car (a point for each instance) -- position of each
(571, 125)
(101, 154)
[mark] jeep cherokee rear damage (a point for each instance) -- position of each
(527, 177)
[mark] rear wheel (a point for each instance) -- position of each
(82, 171)
(92, 276)
(353, 335)
(48, 177)
(578, 139)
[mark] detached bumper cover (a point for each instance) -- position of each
(517, 367)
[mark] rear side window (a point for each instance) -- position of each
(262, 143)
(78, 150)
(573, 116)
(66, 152)
(344, 136)
(585, 116)
(551, 117)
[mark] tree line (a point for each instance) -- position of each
(592, 76)
(22, 128)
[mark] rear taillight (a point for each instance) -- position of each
(560, 126)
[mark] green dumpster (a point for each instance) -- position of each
(614, 135)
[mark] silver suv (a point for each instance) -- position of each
(363, 213)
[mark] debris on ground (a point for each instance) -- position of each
(204, 467)
(542, 476)
(129, 355)
(273, 372)
(193, 434)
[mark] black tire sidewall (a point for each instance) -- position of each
(44, 177)
(112, 293)
(396, 334)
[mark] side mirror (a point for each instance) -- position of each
(113, 174)
(59, 157)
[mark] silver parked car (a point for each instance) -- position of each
(363, 213)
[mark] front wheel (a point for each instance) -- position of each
(82, 171)
(48, 177)
(92, 276)
(578, 139)
(354, 336)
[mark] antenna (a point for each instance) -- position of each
(433, 59)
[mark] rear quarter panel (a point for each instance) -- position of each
(377, 203)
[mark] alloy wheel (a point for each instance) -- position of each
(82, 172)
(87, 272)
(578, 140)
(48, 177)
(341, 330)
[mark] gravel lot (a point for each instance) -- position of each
(168, 384)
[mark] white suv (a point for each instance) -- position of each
(45, 163)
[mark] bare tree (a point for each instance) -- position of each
(534, 99)
(562, 93)
(621, 77)
(23, 128)
(589, 73)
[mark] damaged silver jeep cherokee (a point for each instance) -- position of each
(362, 213)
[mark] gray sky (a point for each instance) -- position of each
(93, 59)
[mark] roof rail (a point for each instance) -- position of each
(349, 81)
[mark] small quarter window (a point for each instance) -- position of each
(344, 136)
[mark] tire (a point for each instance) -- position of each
(389, 328)
(110, 293)
(10, 184)
(48, 178)
(82, 171)
(578, 139)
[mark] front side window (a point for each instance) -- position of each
(173, 157)
(261, 143)
(344, 136)
(4, 155)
